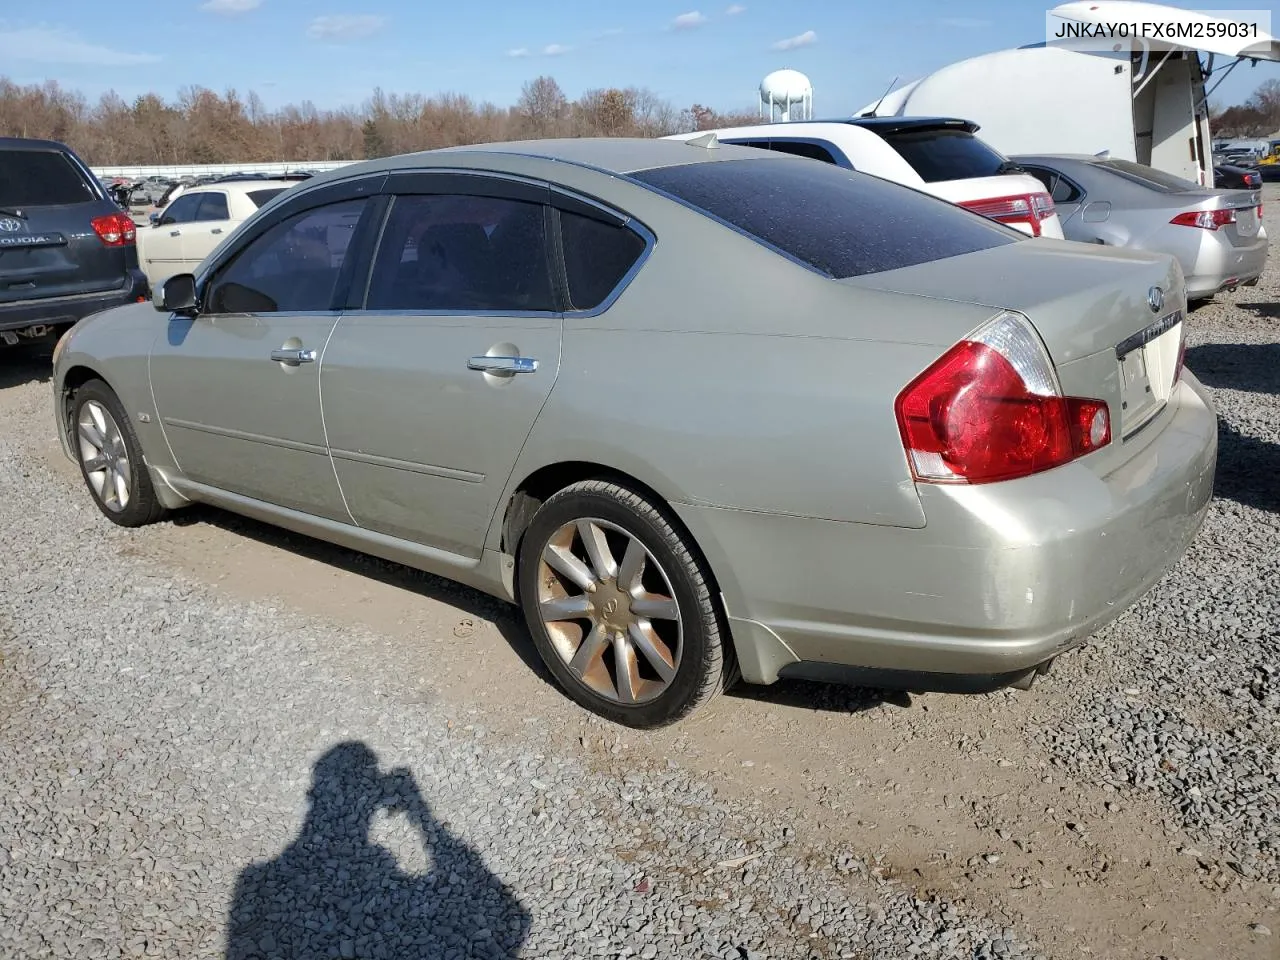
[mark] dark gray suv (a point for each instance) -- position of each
(66, 249)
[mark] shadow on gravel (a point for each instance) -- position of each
(23, 364)
(1252, 367)
(1247, 469)
(472, 602)
(333, 892)
(825, 697)
(1268, 311)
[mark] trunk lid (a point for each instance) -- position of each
(1108, 334)
(48, 247)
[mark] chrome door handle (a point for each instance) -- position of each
(175, 233)
(294, 357)
(503, 364)
(216, 230)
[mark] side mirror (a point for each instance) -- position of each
(177, 295)
(154, 218)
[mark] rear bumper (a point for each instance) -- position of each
(1220, 264)
(1001, 579)
(64, 311)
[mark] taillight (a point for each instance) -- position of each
(1205, 219)
(990, 409)
(1029, 208)
(115, 229)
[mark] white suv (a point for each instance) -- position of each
(937, 155)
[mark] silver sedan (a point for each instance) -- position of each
(1216, 233)
(703, 412)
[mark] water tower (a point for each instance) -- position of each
(784, 89)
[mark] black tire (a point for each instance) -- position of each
(144, 506)
(706, 664)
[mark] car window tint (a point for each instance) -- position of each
(32, 178)
(1064, 191)
(182, 210)
(294, 266)
(597, 256)
(943, 154)
(814, 151)
(1148, 176)
(213, 206)
(259, 197)
(840, 222)
(460, 252)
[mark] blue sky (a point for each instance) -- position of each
(335, 52)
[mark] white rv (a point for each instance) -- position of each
(1147, 105)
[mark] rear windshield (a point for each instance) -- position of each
(837, 221)
(37, 178)
(1149, 176)
(259, 197)
(942, 154)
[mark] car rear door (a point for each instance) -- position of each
(211, 223)
(48, 245)
(433, 378)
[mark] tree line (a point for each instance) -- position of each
(1259, 116)
(203, 126)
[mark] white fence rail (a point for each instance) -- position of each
(138, 172)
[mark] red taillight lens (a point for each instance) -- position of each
(989, 409)
(1031, 209)
(115, 229)
(1205, 219)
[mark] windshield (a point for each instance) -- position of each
(37, 178)
(1148, 176)
(839, 222)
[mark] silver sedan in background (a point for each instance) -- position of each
(1216, 234)
(703, 412)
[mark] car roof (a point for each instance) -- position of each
(239, 186)
(30, 143)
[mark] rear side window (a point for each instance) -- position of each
(814, 151)
(213, 206)
(596, 257)
(839, 222)
(1060, 188)
(944, 154)
(259, 197)
(37, 178)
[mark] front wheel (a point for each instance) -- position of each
(110, 457)
(620, 607)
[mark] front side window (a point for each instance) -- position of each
(213, 206)
(459, 252)
(294, 266)
(182, 210)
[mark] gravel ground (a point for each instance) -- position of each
(1180, 699)
(184, 773)
(170, 759)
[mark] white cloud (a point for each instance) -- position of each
(230, 6)
(555, 50)
(687, 21)
(518, 52)
(345, 26)
(735, 9)
(57, 45)
(803, 40)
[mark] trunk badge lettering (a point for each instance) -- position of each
(10, 225)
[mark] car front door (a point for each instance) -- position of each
(237, 387)
(211, 224)
(161, 244)
(433, 382)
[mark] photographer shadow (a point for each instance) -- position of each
(334, 892)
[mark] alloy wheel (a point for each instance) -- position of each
(104, 456)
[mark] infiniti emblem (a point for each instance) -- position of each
(10, 225)
(1155, 299)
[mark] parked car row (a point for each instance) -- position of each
(704, 412)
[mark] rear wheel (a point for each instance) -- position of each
(619, 606)
(110, 457)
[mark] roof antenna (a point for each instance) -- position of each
(1103, 155)
(708, 140)
(872, 112)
